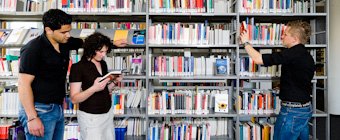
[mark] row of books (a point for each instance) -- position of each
(190, 33)
(73, 5)
(9, 67)
(275, 6)
(191, 6)
(9, 103)
(258, 102)
(256, 131)
(188, 102)
(186, 130)
(168, 6)
(102, 5)
(69, 107)
(127, 98)
(134, 64)
(35, 5)
(133, 37)
(23, 36)
(190, 66)
(263, 33)
(11, 130)
(109, 25)
(249, 68)
(136, 84)
(71, 131)
(8, 5)
(134, 126)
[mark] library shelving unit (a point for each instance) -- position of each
(98, 17)
(157, 80)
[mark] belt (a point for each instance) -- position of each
(295, 104)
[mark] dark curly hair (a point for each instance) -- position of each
(95, 42)
(55, 18)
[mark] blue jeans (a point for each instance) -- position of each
(52, 117)
(292, 123)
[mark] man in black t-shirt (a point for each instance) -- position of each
(42, 75)
(297, 72)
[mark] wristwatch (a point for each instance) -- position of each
(246, 43)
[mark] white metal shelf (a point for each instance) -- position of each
(231, 113)
(191, 46)
(193, 77)
(285, 14)
(190, 14)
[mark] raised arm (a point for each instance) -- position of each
(254, 54)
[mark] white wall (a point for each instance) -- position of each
(334, 58)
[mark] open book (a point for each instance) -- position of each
(111, 75)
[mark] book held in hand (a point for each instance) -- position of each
(243, 26)
(111, 75)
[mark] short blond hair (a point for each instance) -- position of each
(301, 29)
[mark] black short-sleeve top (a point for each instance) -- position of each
(39, 58)
(297, 71)
(86, 72)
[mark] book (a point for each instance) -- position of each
(243, 26)
(138, 37)
(110, 75)
(221, 103)
(17, 36)
(120, 34)
(221, 66)
(33, 33)
(86, 32)
(136, 66)
(4, 33)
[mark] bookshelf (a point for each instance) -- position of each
(231, 19)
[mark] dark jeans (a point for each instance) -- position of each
(292, 123)
(51, 115)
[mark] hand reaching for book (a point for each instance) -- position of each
(99, 86)
(120, 43)
(244, 37)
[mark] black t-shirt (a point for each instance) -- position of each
(86, 72)
(39, 58)
(296, 73)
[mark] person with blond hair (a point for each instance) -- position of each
(297, 71)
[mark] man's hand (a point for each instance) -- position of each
(35, 127)
(120, 43)
(244, 37)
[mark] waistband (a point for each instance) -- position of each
(295, 104)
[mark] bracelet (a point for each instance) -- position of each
(32, 119)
